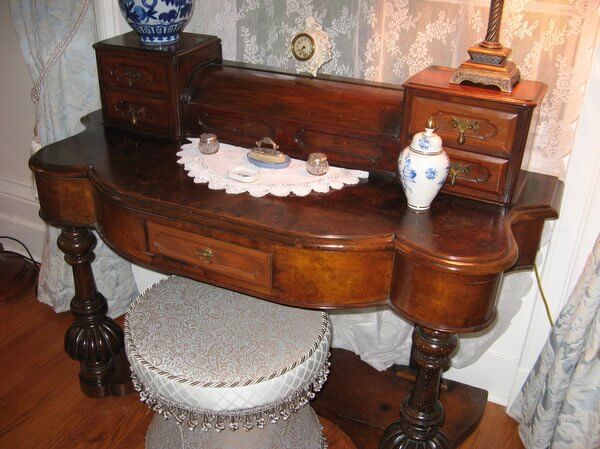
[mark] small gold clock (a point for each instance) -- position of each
(303, 46)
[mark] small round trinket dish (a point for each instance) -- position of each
(317, 164)
(208, 143)
(243, 174)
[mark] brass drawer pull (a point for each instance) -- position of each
(463, 125)
(460, 171)
(205, 255)
(133, 76)
(133, 111)
(456, 170)
(130, 75)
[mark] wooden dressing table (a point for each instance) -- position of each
(353, 248)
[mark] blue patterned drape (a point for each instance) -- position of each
(70, 90)
(559, 405)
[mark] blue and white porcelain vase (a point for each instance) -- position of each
(423, 168)
(158, 22)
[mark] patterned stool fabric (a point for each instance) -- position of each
(215, 359)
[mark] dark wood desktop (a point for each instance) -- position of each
(353, 248)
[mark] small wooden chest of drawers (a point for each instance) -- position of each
(141, 86)
(485, 132)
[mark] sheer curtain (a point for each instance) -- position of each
(390, 40)
(56, 38)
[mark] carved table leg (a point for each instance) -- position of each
(422, 413)
(93, 339)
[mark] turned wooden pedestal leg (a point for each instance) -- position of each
(93, 339)
(422, 413)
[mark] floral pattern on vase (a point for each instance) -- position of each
(431, 173)
(158, 22)
(407, 174)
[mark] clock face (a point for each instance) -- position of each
(303, 47)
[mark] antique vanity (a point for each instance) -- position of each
(353, 248)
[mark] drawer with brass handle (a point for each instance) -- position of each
(133, 74)
(464, 126)
(132, 111)
(227, 259)
(478, 175)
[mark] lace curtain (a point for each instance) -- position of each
(390, 40)
(67, 91)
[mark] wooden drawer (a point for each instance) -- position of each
(138, 112)
(134, 74)
(493, 131)
(228, 259)
(476, 175)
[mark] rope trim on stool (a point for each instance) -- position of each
(207, 419)
(133, 352)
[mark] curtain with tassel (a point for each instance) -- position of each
(56, 37)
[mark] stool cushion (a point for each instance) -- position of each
(210, 356)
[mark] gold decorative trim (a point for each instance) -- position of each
(503, 77)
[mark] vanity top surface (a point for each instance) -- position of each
(143, 173)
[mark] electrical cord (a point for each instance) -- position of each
(542, 294)
(30, 258)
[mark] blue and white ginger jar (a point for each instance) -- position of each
(423, 168)
(158, 22)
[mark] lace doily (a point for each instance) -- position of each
(212, 169)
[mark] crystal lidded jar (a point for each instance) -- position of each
(423, 168)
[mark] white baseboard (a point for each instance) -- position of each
(493, 372)
(19, 217)
(521, 376)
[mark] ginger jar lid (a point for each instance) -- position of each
(427, 142)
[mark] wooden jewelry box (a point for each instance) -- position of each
(485, 132)
(142, 87)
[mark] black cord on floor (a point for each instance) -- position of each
(30, 258)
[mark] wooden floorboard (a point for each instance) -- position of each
(41, 405)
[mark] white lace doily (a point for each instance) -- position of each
(212, 169)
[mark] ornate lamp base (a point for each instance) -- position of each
(488, 66)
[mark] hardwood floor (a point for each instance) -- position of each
(41, 405)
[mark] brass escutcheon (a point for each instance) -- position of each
(456, 170)
(205, 255)
(133, 76)
(136, 112)
(460, 171)
(133, 111)
(463, 125)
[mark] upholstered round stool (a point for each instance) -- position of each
(226, 370)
